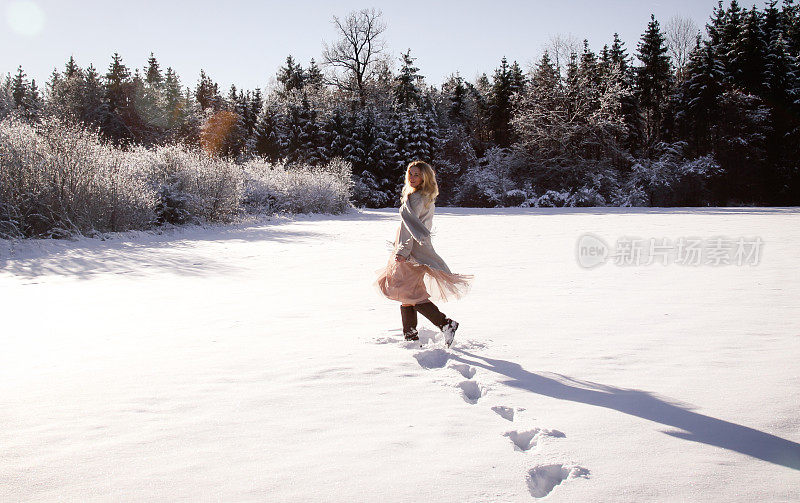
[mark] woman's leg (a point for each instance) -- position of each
(429, 310)
(445, 324)
(409, 317)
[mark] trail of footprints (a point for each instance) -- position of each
(541, 479)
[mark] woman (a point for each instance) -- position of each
(416, 275)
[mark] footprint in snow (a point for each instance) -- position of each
(525, 440)
(504, 412)
(432, 358)
(467, 371)
(471, 391)
(543, 479)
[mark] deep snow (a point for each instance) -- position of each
(256, 362)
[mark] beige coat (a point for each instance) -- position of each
(413, 239)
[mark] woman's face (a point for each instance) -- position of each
(415, 177)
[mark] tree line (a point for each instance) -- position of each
(709, 118)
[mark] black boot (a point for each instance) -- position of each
(445, 324)
(409, 316)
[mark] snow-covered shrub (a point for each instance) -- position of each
(629, 195)
(486, 185)
(554, 199)
(193, 186)
(587, 196)
(298, 189)
(514, 197)
(673, 180)
(58, 179)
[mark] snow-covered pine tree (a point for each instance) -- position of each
(269, 135)
(315, 79)
(335, 131)
(456, 95)
(32, 103)
(500, 105)
(653, 79)
(172, 99)
(618, 55)
(731, 32)
(19, 87)
(696, 98)
(518, 79)
(207, 93)
(118, 88)
(746, 58)
(291, 77)
(94, 108)
(406, 89)
(153, 73)
(71, 68)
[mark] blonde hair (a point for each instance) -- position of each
(429, 189)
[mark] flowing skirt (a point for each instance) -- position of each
(410, 282)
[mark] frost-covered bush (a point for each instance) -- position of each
(193, 186)
(629, 195)
(298, 189)
(554, 199)
(673, 180)
(587, 196)
(514, 197)
(59, 179)
(487, 184)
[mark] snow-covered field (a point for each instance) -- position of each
(258, 363)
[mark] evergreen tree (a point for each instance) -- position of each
(173, 98)
(207, 93)
(19, 87)
(314, 77)
(269, 142)
(500, 105)
(153, 75)
(31, 103)
(94, 108)
(747, 54)
(653, 78)
(304, 140)
(518, 80)
(256, 103)
(406, 90)
(618, 55)
(335, 131)
(52, 84)
(697, 98)
(730, 34)
(715, 29)
(292, 76)
(119, 90)
(71, 69)
(117, 82)
(457, 99)
(589, 68)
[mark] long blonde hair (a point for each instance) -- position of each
(429, 189)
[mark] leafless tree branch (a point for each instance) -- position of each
(356, 51)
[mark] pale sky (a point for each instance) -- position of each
(245, 42)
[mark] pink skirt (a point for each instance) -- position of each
(410, 282)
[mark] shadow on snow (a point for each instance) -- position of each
(695, 427)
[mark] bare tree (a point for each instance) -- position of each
(560, 47)
(681, 34)
(357, 51)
